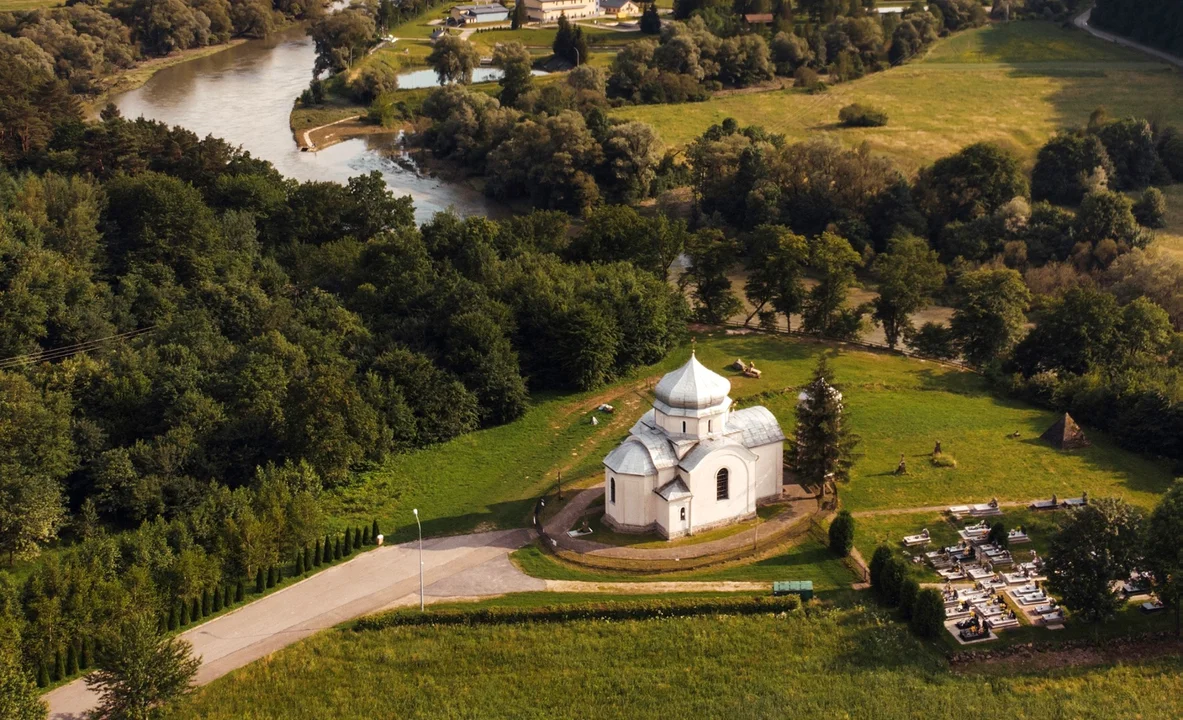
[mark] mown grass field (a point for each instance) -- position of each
(1013, 84)
(13, 5)
(807, 559)
(831, 663)
(491, 478)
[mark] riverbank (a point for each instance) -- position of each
(137, 76)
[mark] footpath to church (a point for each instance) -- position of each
(796, 511)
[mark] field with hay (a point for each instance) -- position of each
(1013, 84)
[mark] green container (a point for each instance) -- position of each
(803, 588)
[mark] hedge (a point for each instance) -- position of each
(626, 610)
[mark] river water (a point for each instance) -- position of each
(244, 95)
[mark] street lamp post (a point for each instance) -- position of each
(416, 511)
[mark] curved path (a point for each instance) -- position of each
(458, 567)
(1082, 21)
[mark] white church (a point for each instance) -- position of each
(692, 463)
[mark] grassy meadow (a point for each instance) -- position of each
(1013, 84)
(806, 559)
(828, 662)
(491, 478)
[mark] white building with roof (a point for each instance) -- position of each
(692, 462)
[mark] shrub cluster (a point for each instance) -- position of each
(629, 610)
(857, 115)
(924, 609)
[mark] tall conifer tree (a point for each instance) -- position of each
(825, 445)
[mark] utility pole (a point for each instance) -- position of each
(420, 526)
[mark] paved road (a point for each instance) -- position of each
(462, 566)
(1082, 21)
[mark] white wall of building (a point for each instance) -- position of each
(550, 10)
(705, 509)
(769, 469)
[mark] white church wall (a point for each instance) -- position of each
(769, 469)
(705, 509)
(632, 508)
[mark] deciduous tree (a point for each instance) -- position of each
(1097, 545)
(140, 671)
(908, 273)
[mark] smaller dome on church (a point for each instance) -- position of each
(693, 387)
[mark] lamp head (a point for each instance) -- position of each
(416, 511)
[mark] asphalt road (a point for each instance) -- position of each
(462, 566)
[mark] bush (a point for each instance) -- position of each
(934, 341)
(316, 559)
(348, 542)
(239, 592)
(259, 581)
(195, 613)
(71, 660)
(307, 558)
(337, 549)
(206, 605)
(373, 81)
(1151, 209)
(217, 600)
(808, 78)
(271, 577)
(184, 613)
(84, 654)
(862, 116)
(228, 596)
(842, 534)
(299, 563)
(892, 577)
(42, 675)
(928, 613)
(59, 666)
(628, 610)
(909, 589)
(878, 560)
(374, 532)
(998, 535)
(172, 618)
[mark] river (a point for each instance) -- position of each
(244, 95)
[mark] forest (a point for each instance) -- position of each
(226, 343)
(1155, 22)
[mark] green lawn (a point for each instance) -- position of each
(491, 478)
(1013, 84)
(807, 559)
(828, 662)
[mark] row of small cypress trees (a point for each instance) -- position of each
(79, 656)
(924, 609)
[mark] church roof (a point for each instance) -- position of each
(660, 451)
(674, 490)
(708, 446)
(693, 387)
(631, 457)
(757, 426)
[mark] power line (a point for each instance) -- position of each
(70, 350)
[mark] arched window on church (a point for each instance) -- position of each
(721, 483)
(682, 515)
(709, 425)
(683, 426)
(612, 490)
